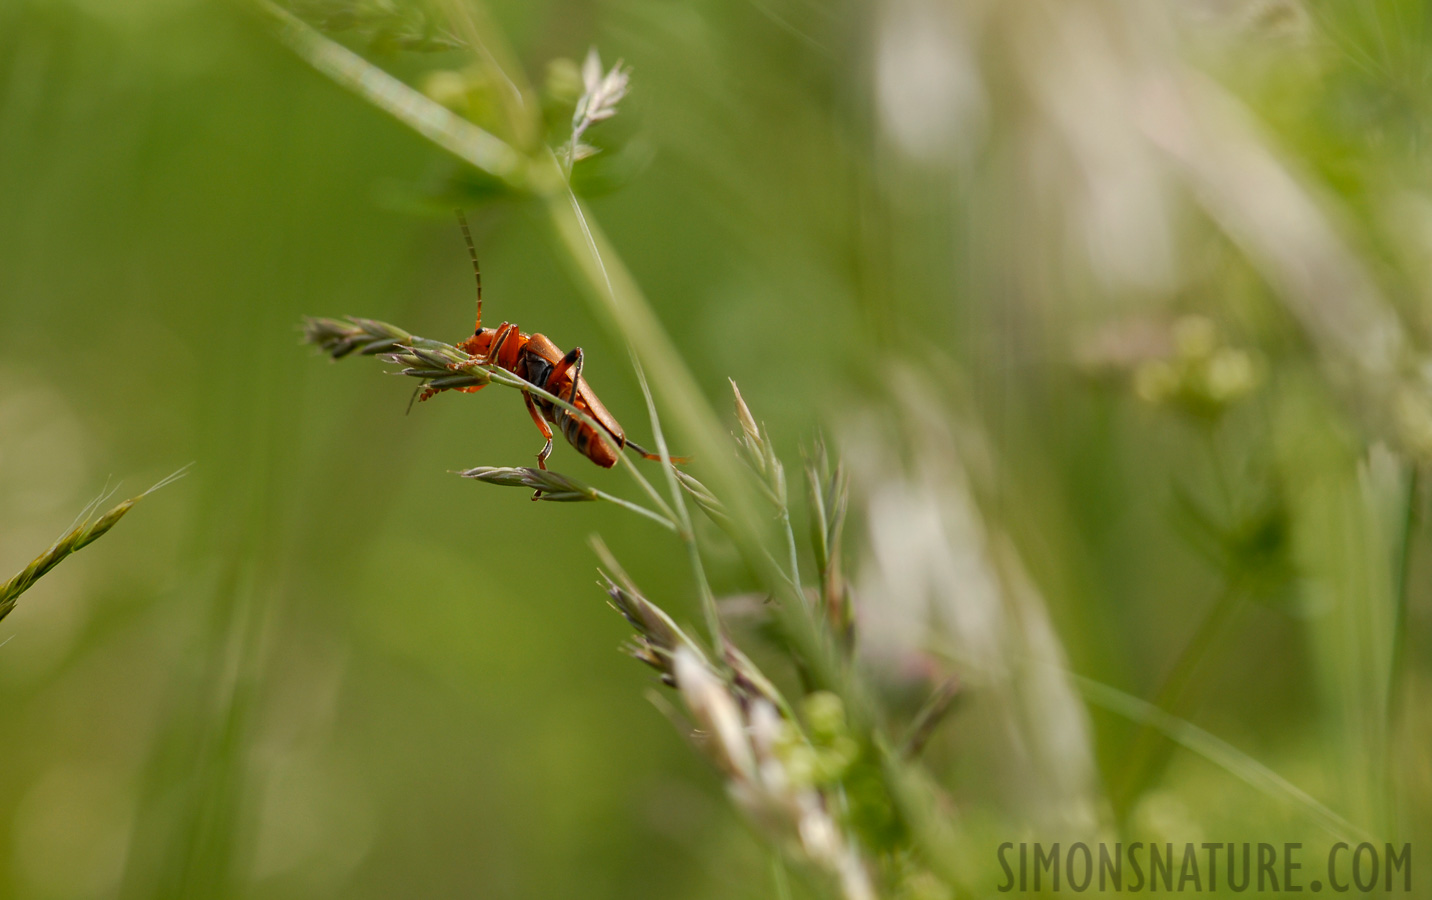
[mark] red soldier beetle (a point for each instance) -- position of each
(538, 361)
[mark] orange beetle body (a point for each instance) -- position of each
(534, 358)
(538, 361)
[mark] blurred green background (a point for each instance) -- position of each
(322, 665)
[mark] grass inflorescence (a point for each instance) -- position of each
(88, 529)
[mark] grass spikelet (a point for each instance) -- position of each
(549, 485)
(757, 451)
(657, 637)
(81, 535)
(703, 498)
(364, 336)
(828, 494)
(601, 94)
(558, 488)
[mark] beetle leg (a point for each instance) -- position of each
(576, 376)
(546, 433)
(504, 331)
(542, 426)
(571, 362)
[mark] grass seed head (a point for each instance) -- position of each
(602, 92)
(716, 713)
(703, 498)
(86, 532)
(759, 454)
(552, 486)
(658, 635)
(367, 337)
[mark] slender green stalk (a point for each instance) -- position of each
(1141, 759)
(1221, 753)
(1403, 573)
(1393, 702)
(648, 487)
(780, 877)
(433, 121)
(931, 713)
(791, 547)
(687, 532)
(640, 510)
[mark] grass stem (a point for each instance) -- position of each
(687, 532)
(640, 510)
(1142, 758)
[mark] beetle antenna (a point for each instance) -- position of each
(644, 453)
(476, 271)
